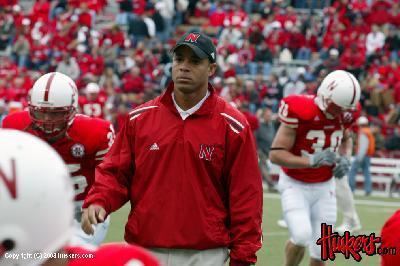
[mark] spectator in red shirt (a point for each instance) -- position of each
(96, 65)
(202, 9)
(85, 18)
(41, 9)
(217, 16)
(83, 59)
(360, 6)
(353, 60)
(380, 14)
(132, 82)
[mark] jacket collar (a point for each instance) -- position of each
(205, 109)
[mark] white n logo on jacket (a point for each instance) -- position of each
(206, 152)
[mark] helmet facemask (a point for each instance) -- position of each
(51, 121)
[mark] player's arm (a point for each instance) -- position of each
(342, 166)
(110, 190)
(280, 149)
(245, 197)
(346, 147)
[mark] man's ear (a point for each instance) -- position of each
(211, 69)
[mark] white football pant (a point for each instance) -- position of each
(305, 207)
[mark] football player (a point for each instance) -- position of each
(92, 104)
(37, 203)
(306, 145)
(80, 140)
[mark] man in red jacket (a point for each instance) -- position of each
(187, 163)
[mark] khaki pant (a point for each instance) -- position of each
(382, 99)
(190, 257)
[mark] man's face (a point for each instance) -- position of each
(49, 120)
(189, 72)
(92, 96)
(267, 115)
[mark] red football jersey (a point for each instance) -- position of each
(92, 108)
(314, 133)
(118, 254)
(83, 147)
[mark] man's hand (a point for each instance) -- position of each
(342, 167)
(93, 215)
(321, 158)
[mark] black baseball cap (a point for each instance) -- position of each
(200, 43)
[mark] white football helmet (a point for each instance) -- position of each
(92, 88)
(338, 92)
(36, 199)
(53, 102)
(362, 121)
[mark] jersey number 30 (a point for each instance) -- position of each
(320, 137)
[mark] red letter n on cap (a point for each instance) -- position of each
(192, 37)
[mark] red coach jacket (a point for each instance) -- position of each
(192, 184)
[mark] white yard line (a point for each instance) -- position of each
(357, 201)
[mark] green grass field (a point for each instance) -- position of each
(371, 215)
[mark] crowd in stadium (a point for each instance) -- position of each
(266, 50)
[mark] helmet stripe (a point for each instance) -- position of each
(354, 89)
(48, 84)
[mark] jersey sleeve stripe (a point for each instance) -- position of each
(288, 120)
(290, 125)
(102, 152)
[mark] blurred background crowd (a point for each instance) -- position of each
(118, 52)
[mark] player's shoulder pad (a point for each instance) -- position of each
(233, 117)
(143, 109)
(90, 125)
(17, 120)
(296, 108)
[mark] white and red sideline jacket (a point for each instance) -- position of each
(192, 183)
